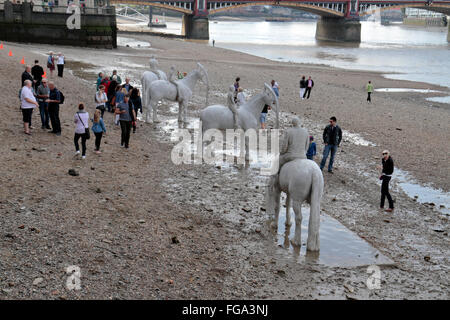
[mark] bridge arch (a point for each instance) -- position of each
(336, 10)
(179, 6)
(435, 7)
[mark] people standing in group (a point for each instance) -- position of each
(53, 101)
(51, 63)
(387, 169)
(127, 86)
(98, 127)
(99, 80)
(26, 75)
(118, 78)
(369, 88)
(240, 98)
(136, 102)
(263, 116)
(309, 86)
(60, 61)
(27, 104)
(81, 119)
(126, 117)
(311, 149)
(303, 84)
(37, 72)
(101, 99)
(332, 136)
(42, 95)
(275, 87)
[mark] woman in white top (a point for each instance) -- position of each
(60, 64)
(240, 97)
(81, 120)
(101, 99)
(27, 104)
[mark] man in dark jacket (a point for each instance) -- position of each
(309, 86)
(303, 85)
(37, 71)
(387, 170)
(26, 75)
(53, 108)
(332, 136)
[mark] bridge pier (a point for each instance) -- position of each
(338, 29)
(195, 27)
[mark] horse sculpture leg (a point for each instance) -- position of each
(153, 105)
(273, 194)
(313, 242)
(288, 211)
(298, 223)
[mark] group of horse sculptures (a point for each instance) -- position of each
(301, 179)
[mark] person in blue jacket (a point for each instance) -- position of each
(98, 128)
(312, 149)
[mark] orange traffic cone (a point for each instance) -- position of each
(1, 46)
(10, 53)
(22, 61)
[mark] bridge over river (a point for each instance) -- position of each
(339, 18)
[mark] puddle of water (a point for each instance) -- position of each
(424, 194)
(440, 99)
(339, 247)
(406, 90)
(356, 139)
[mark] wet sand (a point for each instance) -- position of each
(118, 218)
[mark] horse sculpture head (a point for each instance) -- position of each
(204, 78)
(153, 63)
(270, 98)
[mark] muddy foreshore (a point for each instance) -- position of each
(140, 227)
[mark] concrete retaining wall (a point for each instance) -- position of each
(18, 23)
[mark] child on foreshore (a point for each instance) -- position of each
(312, 149)
(99, 129)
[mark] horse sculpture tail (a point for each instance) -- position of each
(313, 242)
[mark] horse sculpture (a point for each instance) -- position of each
(220, 117)
(178, 90)
(301, 180)
(148, 77)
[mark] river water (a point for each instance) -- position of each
(401, 52)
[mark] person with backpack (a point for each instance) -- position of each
(54, 100)
(81, 120)
(126, 117)
(136, 102)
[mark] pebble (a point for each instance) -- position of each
(73, 172)
(37, 281)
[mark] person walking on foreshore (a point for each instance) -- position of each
(110, 89)
(332, 136)
(303, 85)
(386, 173)
(118, 79)
(53, 101)
(37, 71)
(42, 94)
(136, 102)
(369, 88)
(99, 129)
(127, 116)
(51, 63)
(309, 86)
(60, 64)
(311, 149)
(101, 99)
(127, 86)
(275, 87)
(81, 120)
(27, 104)
(236, 88)
(263, 116)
